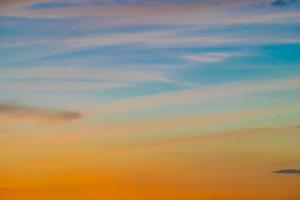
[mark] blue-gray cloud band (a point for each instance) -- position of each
(287, 171)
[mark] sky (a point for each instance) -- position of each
(149, 99)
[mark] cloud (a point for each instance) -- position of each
(158, 124)
(76, 78)
(13, 4)
(202, 94)
(282, 2)
(287, 171)
(246, 132)
(125, 9)
(56, 85)
(212, 57)
(190, 16)
(279, 3)
(192, 13)
(178, 37)
(82, 73)
(28, 112)
(150, 38)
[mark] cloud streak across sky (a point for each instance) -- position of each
(287, 171)
(209, 57)
(204, 94)
(27, 112)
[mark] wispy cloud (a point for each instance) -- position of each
(131, 74)
(147, 37)
(118, 8)
(202, 94)
(28, 112)
(76, 78)
(247, 132)
(155, 128)
(17, 4)
(282, 2)
(212, 57)
(44, 85)
(287, 171)
(160, 38)
(196, 13)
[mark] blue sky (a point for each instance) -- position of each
(167, 57)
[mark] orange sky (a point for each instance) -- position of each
(236, 165)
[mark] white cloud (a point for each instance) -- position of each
(60, 85)
(211, 57)
(84, 73)
(57, 78)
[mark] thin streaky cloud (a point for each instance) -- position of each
(24, 112)
(160, 125)
(77, 78)
(247, 132)
(287, 171)
(18, 8)
(46, 85)
(148, 38)
(129, 74)
(157, 38)
(214, 14)
(211, 57)
(203, 94)
(17, 4)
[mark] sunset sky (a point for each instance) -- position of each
(149, 99)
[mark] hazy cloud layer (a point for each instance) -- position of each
(11, 4)
(202, 94)
(158, 12)
(250, 132)
(76, 78)
(25, 112)
(83, 73)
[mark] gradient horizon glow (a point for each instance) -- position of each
(149, 99)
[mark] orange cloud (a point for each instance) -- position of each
(25, 112)
(11, 4)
